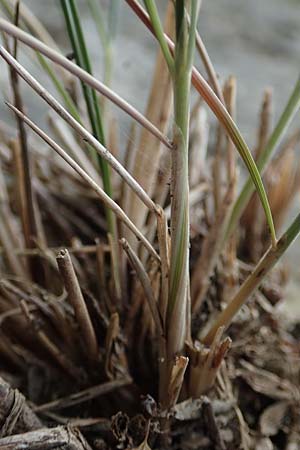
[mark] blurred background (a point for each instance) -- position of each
(258, 41)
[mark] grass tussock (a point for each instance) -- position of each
(138, 307)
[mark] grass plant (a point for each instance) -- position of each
(161, 311)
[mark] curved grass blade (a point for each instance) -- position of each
(82, 58)
(271, 257)
(287, 116)
(159, 32)
(225, 119)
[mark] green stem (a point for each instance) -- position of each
(82, 58)
(224, 118)
(159, 32)
(284, 121)
(179, 270)
(267, 262)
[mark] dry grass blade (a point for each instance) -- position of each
(115, 266)
(9, 252)
(104, 197)
(83, 75)
(265, 123)
(158, 112)
(145, 282)
(176, 379)
(71, 284)
(224, 118)
(114, 163)
(267, 262)
(61, 359)
(210, 252)
(205, 363)
(84, 395)
(23, 169)
(164, 252)
(213, 78)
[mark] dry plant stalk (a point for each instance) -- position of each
(46, 439)
(75, 296)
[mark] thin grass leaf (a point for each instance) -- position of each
(106, 33)
(105, 36)
(62, 91)
(68, 65)
(146, 283)
(180, 238)
(32, 23)
(55, 105)
(82, 58)
(104, 197)
(268, 261)
(211, 73)
(222, 115)
(158, 111)
(283, 123)
(76, 299)
(159, 32)
(35, 27)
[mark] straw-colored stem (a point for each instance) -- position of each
(103, 196)
(211, 73)
(224, 118)
(40, 90)
(146, 283)
(56, 57)
(72, 286)
(267, 262)
(23, 169)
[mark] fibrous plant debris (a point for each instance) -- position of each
(137, 306)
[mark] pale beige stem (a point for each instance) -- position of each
(104, 197)
(105, 154)
(83, 75)
(75, 296)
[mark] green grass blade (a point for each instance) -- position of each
(224, 118)
(284, 121)
(159, 32)
(177, 315)
(67, 99)
(107, 30)
(82, 58)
